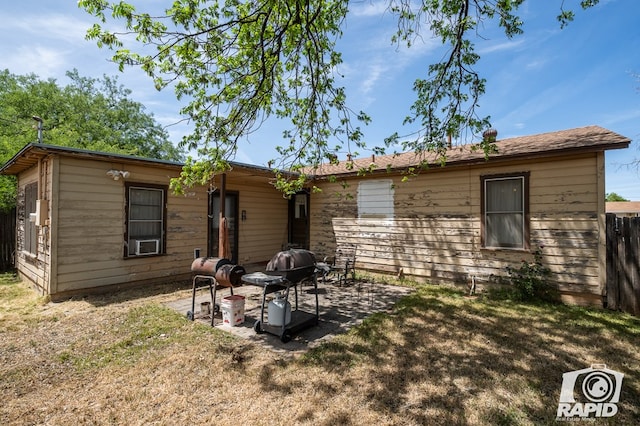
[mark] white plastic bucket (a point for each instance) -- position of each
(205, 308)
(232, 308)
(276, 311)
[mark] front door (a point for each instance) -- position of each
(231, 214)
(299, 220)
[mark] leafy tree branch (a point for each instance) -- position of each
(89, 113)
(238, 63)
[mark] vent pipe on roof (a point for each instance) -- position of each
(489, 135)
(39, 120)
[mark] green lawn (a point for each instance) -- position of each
(438, 358)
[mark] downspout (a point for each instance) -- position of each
(40, 189)
(40, 121)
(42, 226)
(54, 183)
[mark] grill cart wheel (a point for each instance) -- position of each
(190, 315)
(286, 336)
(285, 271)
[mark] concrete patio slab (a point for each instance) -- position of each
(340, 308)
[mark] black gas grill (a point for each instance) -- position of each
(285, 270)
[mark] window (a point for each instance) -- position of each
(375, 198)
(145, 220)
(505, 211)
(301, 206)
(30, 242)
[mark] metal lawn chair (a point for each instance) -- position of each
(342, 265)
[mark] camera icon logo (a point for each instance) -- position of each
(590, 391)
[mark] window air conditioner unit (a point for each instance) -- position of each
(147, 247)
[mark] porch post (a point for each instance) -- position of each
(222, 237)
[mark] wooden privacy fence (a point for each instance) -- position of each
(623, 264)
(7, 239)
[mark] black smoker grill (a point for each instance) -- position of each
(285, 270)
(216, 273)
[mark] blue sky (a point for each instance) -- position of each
(544, 80)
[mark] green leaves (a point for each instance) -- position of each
(238, 63)
(530, 280)
(566, 16)
(446, 100)
(88, 113)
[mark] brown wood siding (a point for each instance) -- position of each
(91, 227)
(32, 268)
(265, 231)
(435, 233)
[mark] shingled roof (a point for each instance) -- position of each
(623, 207)
(583, 139)
(31, 153)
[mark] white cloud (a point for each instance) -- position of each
(501, 47)
(368, 8)
(621, 116)
(371, 59)
(373, 75)
(51, 27)
(535, 106)
(44, 61)
(537, 64)
(47, 45)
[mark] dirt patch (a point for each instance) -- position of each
(435, 358)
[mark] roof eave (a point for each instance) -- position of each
(482, 160)
(38, 151)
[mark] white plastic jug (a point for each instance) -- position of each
(277, 308)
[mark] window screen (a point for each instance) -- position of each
(145, 221)
(375, 198)
(30, 239)
(504, 212)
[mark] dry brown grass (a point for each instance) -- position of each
(438, 358)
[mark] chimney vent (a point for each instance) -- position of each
(490, 135)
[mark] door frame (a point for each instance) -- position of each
(292, 215)
(212, 240)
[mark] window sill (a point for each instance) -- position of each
(509, 249)
(145, 256)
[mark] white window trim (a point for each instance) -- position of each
(375, 198)
(130, 251)
(523, 177)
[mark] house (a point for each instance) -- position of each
(89, 221)
(624, 208)
(465, 222)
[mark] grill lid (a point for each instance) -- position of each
(291, 259)
(295, 264)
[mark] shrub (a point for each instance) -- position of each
(529, 280)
